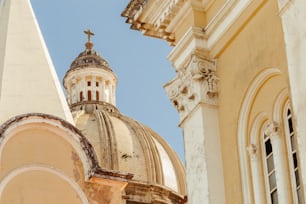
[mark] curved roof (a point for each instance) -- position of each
(123, 144)
(91, 163)
(89, 58)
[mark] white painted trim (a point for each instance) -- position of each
(193, 39)
(264, 163)
(50, 170)
(283, 5)
(282, 98)
(242, 128)
(280, 115)
(255, 142)
(211, 34)
(227, 22)
(52, 126)
(284, 118)
(215, 21)
(280, 168)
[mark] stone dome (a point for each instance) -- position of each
(89, 58)
(120, 142)
(123, 144)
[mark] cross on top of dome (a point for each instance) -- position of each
(89, 33)
(89, 44)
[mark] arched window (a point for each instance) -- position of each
(97, 95)
(293, 157)
(269, 165)
(89, 95)
(81, 96)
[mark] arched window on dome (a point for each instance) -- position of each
(97, 96)
(292, 153)
(81, 96)
(89, 95)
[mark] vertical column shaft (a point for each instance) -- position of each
(293, 17)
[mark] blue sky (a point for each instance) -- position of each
(140, 62)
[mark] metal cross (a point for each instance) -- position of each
(89, 34)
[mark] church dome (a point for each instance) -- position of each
(123, 144)
(89, 58)
(120, 142)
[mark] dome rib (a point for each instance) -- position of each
(177, 165)
(108, 143)
(155, 173)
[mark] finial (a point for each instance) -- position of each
(89, 44)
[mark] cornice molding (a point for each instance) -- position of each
(133, 9)
(162, 22)
(216, 34)
(194, 40)
(151, 193)
(224, 18)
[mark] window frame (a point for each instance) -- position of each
(289, 153)
(268, 190)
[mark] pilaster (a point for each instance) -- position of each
(256, 173)
(293, 15)
(194, 94)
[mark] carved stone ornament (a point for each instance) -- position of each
(196, 82)
(272, 129)
(133, 7)
(252, 150)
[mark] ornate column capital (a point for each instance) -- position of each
(196, 82)
(272, 129)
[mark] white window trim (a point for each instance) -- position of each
(251, 93)
(255, 160)
(272, 130)
(289, 153)
(263, 137)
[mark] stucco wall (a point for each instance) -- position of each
(256, 47)
(44, 161)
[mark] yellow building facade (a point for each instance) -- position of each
(239, 91)
(75, 150)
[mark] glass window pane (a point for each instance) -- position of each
(290, 125)
(274, 198)
(294, 159)
(297, 178)
(272, 181)
(268, 147)
(292, 143)
(300, 197)
(270, 163)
